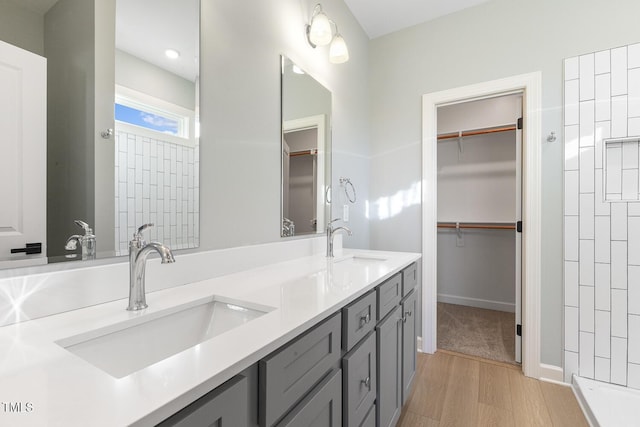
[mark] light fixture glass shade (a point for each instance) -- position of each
(338, 52)
(320, 32)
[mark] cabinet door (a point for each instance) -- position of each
(359, 369)
(409, 306)
(224, 406)
(388, 333)
(321, 408)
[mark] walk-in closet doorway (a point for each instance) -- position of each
(529, 85)
(479, 240)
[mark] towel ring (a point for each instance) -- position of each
(343, 182)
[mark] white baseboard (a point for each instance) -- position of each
(551, 374)
(479, 303)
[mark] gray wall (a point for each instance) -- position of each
(497, 39)
(80, 167)
(240, 111)
(21, 27)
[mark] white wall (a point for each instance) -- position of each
(240, 110)
(497, 39)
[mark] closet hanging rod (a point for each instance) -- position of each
(311, 152)
(485, 131)
(478, 225)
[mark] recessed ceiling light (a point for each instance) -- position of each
(172, 53)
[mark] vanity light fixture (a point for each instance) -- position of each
(320, 33)
(172, 54)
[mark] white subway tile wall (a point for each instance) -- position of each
(602, 216)
(156, 182)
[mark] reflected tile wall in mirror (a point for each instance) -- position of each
(157, 182)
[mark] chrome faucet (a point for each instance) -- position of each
(139, 250)
(330, 232)
(87, 241)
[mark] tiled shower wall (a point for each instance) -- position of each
(156, 182)
(602, 238)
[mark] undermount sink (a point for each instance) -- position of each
(129, 346)
(362, 260)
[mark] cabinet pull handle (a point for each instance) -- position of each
(405, 317)
(365, 319)
(366, 382)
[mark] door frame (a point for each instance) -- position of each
(531, 86)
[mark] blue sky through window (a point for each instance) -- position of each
(145, 119)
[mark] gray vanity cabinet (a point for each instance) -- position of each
(346, 370)
(396, 335)
(360, 385)
(320, 408)
(226, 405)
(409, 350)
(290, 373)
(388, 335)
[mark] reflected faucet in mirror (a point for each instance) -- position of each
(87, 242)
(139, 250)
(288, 227)
(330, 233)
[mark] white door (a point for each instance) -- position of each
(518, 248)
(23, 164)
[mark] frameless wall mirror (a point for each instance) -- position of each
(122, 81)
(156, 121)
(306, 152)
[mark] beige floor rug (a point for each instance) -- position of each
(478, 332)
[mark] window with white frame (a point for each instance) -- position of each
(154, 117)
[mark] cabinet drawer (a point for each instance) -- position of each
(321, 408)
(370, 418)
(409, 279)
(389, 295)
(359, 391)
(226, 403)
(359, 318)
(288, 374)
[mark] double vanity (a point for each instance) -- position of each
(284, 343)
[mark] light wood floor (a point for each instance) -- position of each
(451, 389)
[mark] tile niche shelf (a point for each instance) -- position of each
(622, 169)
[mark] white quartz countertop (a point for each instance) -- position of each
(42, 383)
